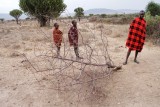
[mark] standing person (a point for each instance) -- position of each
(73, 38)
(136, 36)
(57, 38)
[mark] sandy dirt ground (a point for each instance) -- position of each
(136, 85)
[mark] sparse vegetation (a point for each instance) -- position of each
(103, 15)
(113, 19)
(90, 84)
(33, 75)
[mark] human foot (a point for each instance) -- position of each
(125, 63)
(136, 61)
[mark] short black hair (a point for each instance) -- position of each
(142, 12)
(73, 21)
(55, 24)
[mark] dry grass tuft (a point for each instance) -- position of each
(28, 49)
(6, 46)
(25, 38)
(46, 40)
(14, 55)
(83, 30)
(16, 47)
(93, 19)
(100, 26)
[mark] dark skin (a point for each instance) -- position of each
(129, 50)
(74, 23)
(58, 48)
(56, 26)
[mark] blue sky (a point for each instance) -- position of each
(7, 5)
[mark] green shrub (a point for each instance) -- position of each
(1, 19)
(153, 8)
(103, 15)
(114, 18)
(153, 26)
(91, 15)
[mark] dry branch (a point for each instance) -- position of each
(72, 75)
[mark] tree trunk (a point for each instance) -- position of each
(17, 20)
(48, 21)
(42, 21)
(79, 19)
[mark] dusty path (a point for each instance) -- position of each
(136, 85)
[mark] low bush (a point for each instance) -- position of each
(153, 27)
(113, 18)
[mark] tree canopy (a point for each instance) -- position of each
(153, 8)
(16, 14)
(42, 9)
(79, 12)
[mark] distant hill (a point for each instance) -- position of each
(109, 11)
(8, 17)
(127, 11)
(87, 12)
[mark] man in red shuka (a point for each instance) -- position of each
(73, 38)
(136, 36)
(57, 38)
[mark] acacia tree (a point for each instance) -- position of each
(43, 10)
(103, 15)
(16, 14)
(91, 15)
(79, 12)
(153, 8)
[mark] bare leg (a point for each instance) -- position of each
(128, 54)
(135, 59)
(58, 51)
(76, 52)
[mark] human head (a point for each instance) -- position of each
(74, 23)
(56, 25)
(141, 14)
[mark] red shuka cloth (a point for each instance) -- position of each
(57, 37)
(137, 34)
